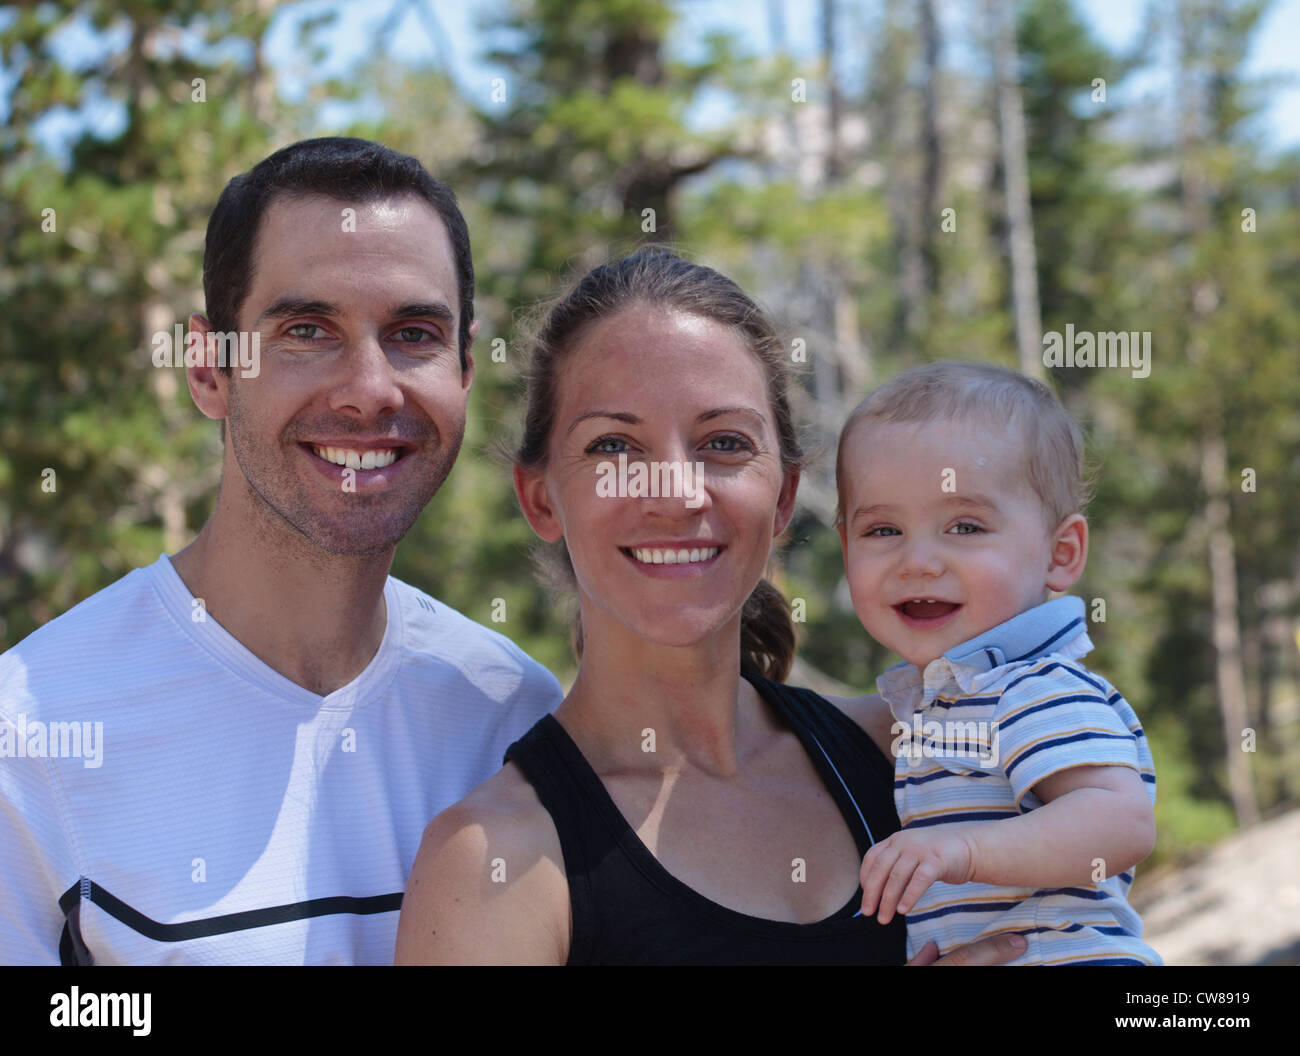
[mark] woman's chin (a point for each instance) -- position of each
(681, 628)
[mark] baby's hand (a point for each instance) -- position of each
(897, 871)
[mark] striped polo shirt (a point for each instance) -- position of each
(974, 733)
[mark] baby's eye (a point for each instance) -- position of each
(969, 528)
(882, 530)
(607, 445)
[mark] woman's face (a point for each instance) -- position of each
(664, 474)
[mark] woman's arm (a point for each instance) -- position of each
(488, 885)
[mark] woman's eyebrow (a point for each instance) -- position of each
(618, 416)
(632, 419)
(720, 411)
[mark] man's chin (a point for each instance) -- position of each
(358, 538)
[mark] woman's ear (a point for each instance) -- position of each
(535, 501)
(1069, 553)
(785, 502)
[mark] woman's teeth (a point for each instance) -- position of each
(342, 456)
(673, 557)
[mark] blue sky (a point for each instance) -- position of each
(1276, 50)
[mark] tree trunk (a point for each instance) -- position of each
(1229, 674)
(1020, 221)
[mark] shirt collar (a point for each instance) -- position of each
(1053, 627)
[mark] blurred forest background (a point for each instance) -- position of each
(901, 194)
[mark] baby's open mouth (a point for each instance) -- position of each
(927, 609)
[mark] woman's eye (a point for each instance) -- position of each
(729, 443)
(607, 445)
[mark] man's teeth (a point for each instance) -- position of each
(343, 456)
(673, 557)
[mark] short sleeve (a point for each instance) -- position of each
(37, 864)
(1057, 716)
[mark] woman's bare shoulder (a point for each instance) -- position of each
(488, 885)
(872, 714)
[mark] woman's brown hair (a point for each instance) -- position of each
(657, 276)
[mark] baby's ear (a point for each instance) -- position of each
(1069, 553)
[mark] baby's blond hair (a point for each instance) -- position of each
(1005, 399)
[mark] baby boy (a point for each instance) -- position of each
(1023, 781)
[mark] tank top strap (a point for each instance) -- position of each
(573, 795)
(855, 771)
(627, 909)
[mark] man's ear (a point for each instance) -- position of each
(535, 501)
(1069, 553)
(208, 386)
(785, 502)
(467, 375)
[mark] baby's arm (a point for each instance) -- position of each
(1088, 813)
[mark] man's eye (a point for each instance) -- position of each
(303, 326)
(415, 333)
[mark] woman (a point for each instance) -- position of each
(680, 806)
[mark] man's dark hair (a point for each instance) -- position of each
(350, 170)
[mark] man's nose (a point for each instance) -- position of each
(366, 383)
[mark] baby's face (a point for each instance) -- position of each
(943, 536)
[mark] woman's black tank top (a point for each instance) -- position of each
(628, 909)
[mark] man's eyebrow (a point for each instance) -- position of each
(288, 307)
(424, 310)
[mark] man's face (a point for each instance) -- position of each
(358, 411)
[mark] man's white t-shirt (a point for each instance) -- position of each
(166, 797)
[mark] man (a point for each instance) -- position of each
(271, 718)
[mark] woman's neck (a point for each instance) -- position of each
(637, 705)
